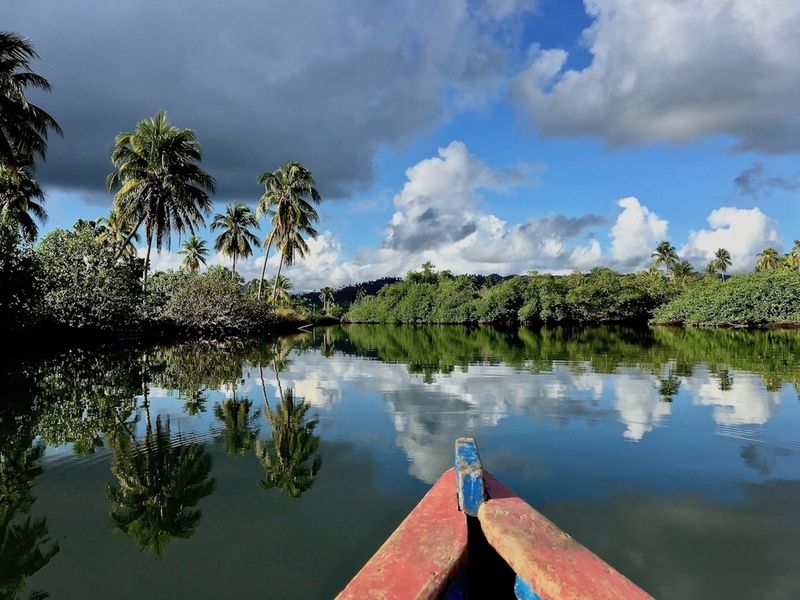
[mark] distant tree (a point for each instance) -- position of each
(23, 125)
(665, 254)
(236, 239)
(114, 231)
(326, 296)
(289, 195)
(21, 200)
(195, 251)
(283, 286)
(768, 260)
(159, 183)
(683, 270)
(792, 258)
(721, 261)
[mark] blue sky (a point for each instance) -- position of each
(486, 136)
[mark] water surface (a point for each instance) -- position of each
(275, 469)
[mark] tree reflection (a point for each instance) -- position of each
(24, 541)
(289, 458)
(669, 386)
(239, 432)
(159, 481)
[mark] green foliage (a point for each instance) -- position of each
(83, 286)
(215, 303)
(19, 282)
(749, 300)
(598, 296)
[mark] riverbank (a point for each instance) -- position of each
(601, 296)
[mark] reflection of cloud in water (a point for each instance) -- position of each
(429, 416)
(747, 402)
(638, 402)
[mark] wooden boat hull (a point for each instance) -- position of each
(432, 553)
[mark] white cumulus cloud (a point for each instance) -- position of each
(744, 232)
(635, 233)
(675, 71)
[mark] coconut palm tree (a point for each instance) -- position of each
(288, 196)
(793, 257)
(326, 296)
(115, 230)
(722, 260)
(665, 254)
(195, 251)
(236, 238)
(768, 260)
(682, 270)
(21, 200)
(283, 287)
(23, 125)
(158, 182)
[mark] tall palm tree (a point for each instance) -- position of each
(23, 125)
(722, 260)
(195, 252)
(116, 230)
(665, 254)
(768, 260)
(793, 256)
(283, 286)
(326, 296)
(288, 196)
(159, 183)
(21, 200)
(236, 238)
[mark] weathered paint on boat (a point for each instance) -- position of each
(427, 555)
(424, 556)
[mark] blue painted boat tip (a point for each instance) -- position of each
(470, 487)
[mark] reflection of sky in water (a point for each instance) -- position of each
(605, 454)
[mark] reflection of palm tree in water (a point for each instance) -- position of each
(194, 403)
(24, 541)
(238, 431)
(158, 484)
(669, 386)
(285, 457)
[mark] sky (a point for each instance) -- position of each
(487, 136)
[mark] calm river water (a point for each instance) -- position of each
(275, 469)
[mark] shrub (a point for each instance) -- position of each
(215, 303)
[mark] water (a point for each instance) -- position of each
(672, 454)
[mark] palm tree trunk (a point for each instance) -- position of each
(147, 264)
(234, 262)
(275, 287)
(264, 269)
(121, 251)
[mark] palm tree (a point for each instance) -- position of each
(682, 270)
(236, 237)
(665, 254)
(158, 182)
(23, 125)
(768, 260)
(288, 196)
(283, 286)
(793, 257)
(195, 252)
(116, 230)
(721, 262)
(20, 200)
(326, 296)
(285, 457)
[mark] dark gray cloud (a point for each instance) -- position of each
(260, 82)
(756, 181)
